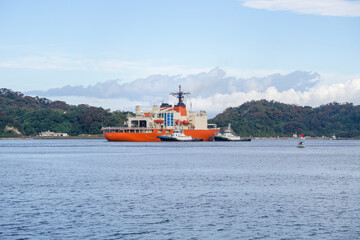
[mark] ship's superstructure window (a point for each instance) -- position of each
(134, 123)
(143, 123)
(169, 119)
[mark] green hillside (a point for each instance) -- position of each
(28, 116)
(265, 119)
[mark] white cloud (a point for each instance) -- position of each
(47, 63)
(69, 63)
(316, 7)
(202, 84)
(212, 91)
(318, 95)
(122, 104)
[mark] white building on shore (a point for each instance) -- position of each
(52, 134)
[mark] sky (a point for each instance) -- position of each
(116, 54)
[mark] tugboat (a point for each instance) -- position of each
(178, 136)
(229, 136)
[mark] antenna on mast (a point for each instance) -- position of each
(180, 95)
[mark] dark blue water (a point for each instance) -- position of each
(264, 189)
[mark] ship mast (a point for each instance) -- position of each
(180, 95)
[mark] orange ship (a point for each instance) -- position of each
(146, 126)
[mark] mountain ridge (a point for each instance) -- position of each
(271, 119)
(32, 115)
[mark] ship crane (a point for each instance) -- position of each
(180, 95)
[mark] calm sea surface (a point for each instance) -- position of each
(264, 189)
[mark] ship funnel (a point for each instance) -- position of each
(155, 108)
(138, 110)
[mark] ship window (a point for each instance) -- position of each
(167, 131)
(160, 131)
(132, 130)
(143, 123)
(135, 123)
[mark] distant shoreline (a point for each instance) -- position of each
(68, 137)
(97, 136)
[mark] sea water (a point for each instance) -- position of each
(263, 189)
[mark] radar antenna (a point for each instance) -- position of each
(180, 95)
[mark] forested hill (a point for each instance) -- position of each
(24, 115)
(264, 118)
(28, 116)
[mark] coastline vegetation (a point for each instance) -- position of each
(25, 116)
(271, 119)
(28, 116)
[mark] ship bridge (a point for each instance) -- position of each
(168, 116)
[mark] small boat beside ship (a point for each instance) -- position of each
(178, 136)
(229, 136)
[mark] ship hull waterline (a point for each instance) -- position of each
(223, 139)
(173, 139)
(205, 135)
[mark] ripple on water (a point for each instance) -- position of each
(93, 189)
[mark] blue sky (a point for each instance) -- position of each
(51, 44)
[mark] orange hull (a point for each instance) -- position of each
(205, 135)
